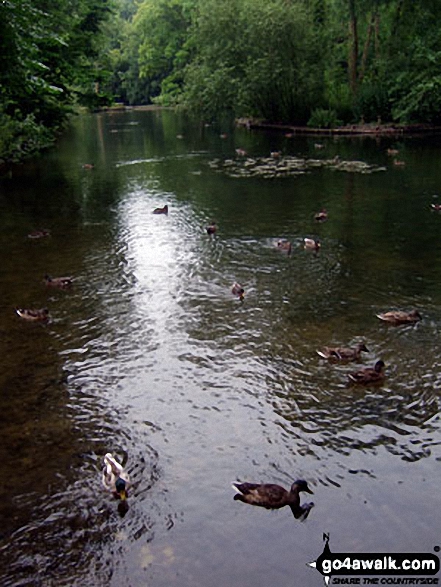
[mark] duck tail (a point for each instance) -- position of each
(111, 462)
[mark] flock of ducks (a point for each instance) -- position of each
(271, 496)
(115, 478)
(42, 314)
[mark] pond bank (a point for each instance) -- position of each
(350, 129)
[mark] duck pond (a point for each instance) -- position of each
(149, 356)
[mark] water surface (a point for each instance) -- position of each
(151, 357)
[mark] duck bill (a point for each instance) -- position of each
(123, 495)
(309, 491)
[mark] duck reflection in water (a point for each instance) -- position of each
(116, 480)
(274, 497)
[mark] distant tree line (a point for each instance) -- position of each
(316, 62)
(320, 62)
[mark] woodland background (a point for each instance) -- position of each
(321, 63)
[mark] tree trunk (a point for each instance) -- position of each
(367, 43)
(353, 48)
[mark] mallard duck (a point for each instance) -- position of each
(311, 244)
(276, 154)
(321, 216)
(369, 375)
(40, 315)
(436, 207)
(399, 163)
(400, 317)
(115, 478)
(342, 353)
(60, 282)
(211, 228)
(238, 290)
(285, 246)
(163, 210)
(274, 497)
(39, 233)
(88, 166)
(241, 153)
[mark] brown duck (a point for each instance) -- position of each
(311, 244)
(274, 497)
(238, 290)
(321, 216)
(44, 232)
(41, 315)
(163, 210)
(285, 246)
(342, 353)
(60, 282)
(211, 228)
(400, 317)
(369, 375)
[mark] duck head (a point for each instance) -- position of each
(120, 487)
(300, 485)
(379, 366)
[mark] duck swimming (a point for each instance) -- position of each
(163, 210)
(60, 282)
(274, 497)
(39, 233)
(342, 353)
(238, 290)
(400, 317)
(32, 315)
(115, 478)
(369, 375)
(312, 244)
(285, 246)
(211, 228)
(321, 216)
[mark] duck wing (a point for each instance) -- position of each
(265, 495)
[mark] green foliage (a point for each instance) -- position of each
(416, 91)
(293, 61)
(21, 138)
(46, 64)
(323, 118)
(254, 57)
